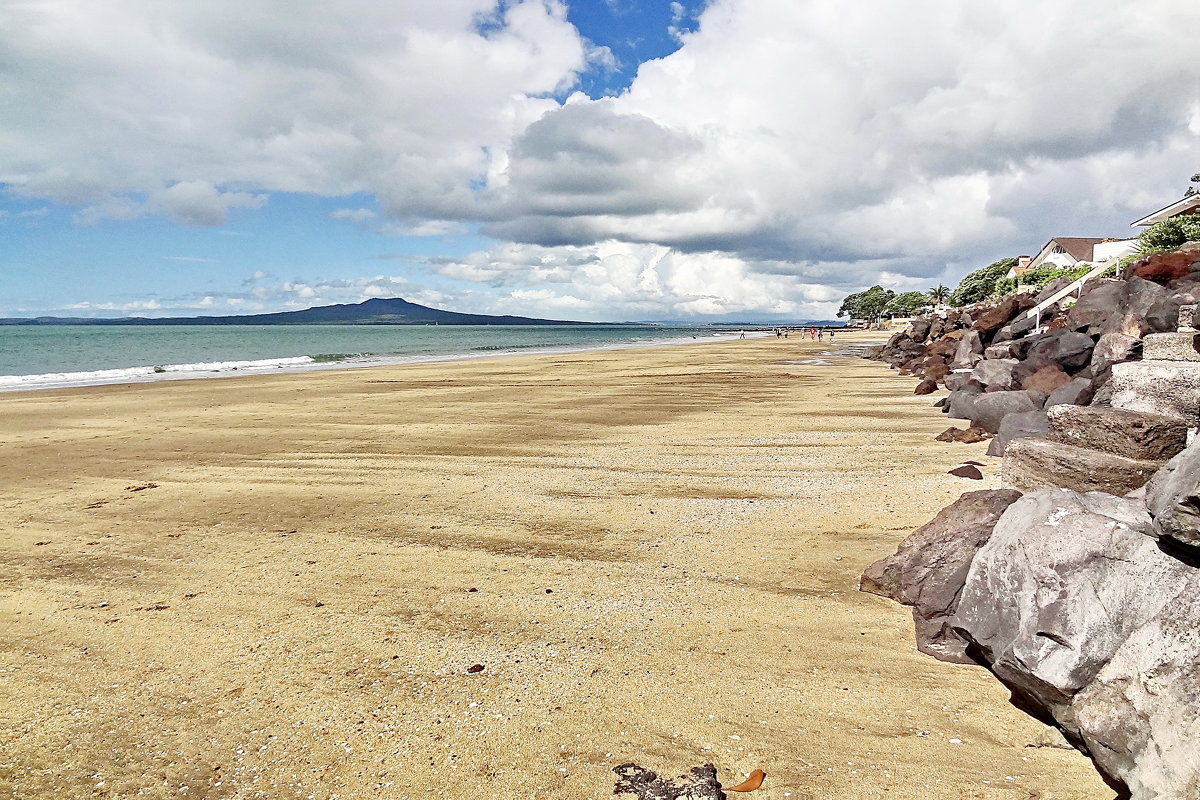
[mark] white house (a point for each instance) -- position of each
(1069, 251)
(1188, 205)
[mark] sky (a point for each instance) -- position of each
(607, 160)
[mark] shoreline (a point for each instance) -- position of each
(301, 364)
(281, 586)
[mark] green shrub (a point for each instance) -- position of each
(1039, 277)
(1169, 234)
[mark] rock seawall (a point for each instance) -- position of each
(1078, 585)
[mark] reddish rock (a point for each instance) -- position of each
(1162, 267)
(967, 471)
(1045, 380)
(926, 386)
(965, 435)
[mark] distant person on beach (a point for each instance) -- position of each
(831, 336)
(821, 335)
(742, 334)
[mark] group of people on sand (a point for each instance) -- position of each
(816, 334)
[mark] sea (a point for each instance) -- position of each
(43, 357)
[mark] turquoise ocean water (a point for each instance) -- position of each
(35, 357)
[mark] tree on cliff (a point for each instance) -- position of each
(868, 304)
(1192, 189)
(980, 283)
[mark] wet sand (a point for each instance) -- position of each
(278, 587)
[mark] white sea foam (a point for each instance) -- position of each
(55, 380)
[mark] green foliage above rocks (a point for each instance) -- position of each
(907, 304)
(981, 283)
(868, 304)
(1169, 234)
(1042, 276)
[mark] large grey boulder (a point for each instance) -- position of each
(1070, 350)
(1031, 464)
(989, 409)
(1164, 316)
(1133, 434)
(995, 372)
(1162, 387)
(962, 401)
(1095, 307)
(1139, 718)
(928, 570)
(1173, 497)
(1063, 581)
(1018, 426)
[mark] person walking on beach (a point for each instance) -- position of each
(821, 335)
(741, 334)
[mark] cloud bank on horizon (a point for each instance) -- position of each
(782, 156)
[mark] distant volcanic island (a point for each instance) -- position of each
(376, 311)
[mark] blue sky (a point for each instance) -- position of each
(611, 159)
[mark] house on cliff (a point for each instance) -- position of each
(1070, 251)
(1188, 205)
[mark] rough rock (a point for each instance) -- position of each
(1070, 350)
(1171, 347)
(1046, 379)
(965, 435)
(995, 372)
(1031, 464)
(1173, 497)
(962, 401)
(700, 784)
(1073, 570)
(1133, 434)
(918, 329)
(1164, 315)
(930, 567)
(1138, 717)
(1016, 329)
(1077, 391)
(1113, 348)
(1136, 299)
(1018, 426)
(1164, 267)
(988, 410)
(969, 352)
(1095, 306)
(1162, 387)
(969, 471)
(999, 315)
(955, 381)
(1001, 350)
(927, 386)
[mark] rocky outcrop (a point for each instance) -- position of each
(1083, 595)
(1105, 347)
(1085, 605)
(930, 568)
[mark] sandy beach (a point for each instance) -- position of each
(488, 579)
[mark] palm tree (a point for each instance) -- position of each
(938, 294)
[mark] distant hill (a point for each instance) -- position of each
(377, 311)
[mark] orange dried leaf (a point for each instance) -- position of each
(750, 784)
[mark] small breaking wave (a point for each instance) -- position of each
(52, 380)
